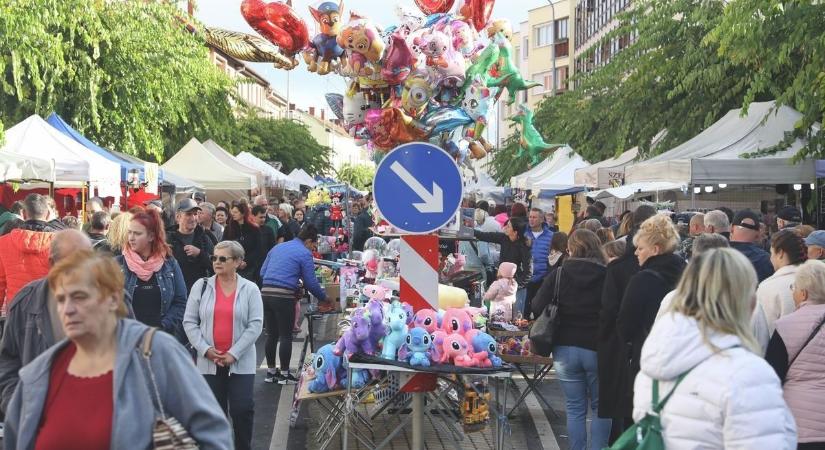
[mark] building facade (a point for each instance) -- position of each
(253, 89)
(594, 19)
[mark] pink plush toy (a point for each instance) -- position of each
(375, 292)
(438, 344)
(456, 320)
(426, 319)
(456, 351)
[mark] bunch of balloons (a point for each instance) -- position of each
(433, 76)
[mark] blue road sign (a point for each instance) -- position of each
(418, 188)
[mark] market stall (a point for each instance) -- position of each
(225, 157)
(276, 177)
(194, 162)
(303, 178)
(607, 173)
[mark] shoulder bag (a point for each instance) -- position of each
(543, 331)
(808, 341)
(167, 433)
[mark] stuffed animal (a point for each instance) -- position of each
(456, 321)
(456, 351)
(417, 348)
(426, 319)
(396, 322)
(360, 377)
(410, 314)
(484, 351)
(438, 344)
(357, 338)
(328, 370)
(377, 328)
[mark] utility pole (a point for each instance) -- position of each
(553, 44)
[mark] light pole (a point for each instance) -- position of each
(553, 44)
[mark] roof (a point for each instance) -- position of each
(227, 158)
(197, 163)
(600, 174)
(275, 175)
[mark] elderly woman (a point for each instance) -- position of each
(795, 354)
(152, 275)
(91, 390)
(224, 317)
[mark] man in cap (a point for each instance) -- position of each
(788, 217)
(816, 245)
(190, 243)
(744, 235)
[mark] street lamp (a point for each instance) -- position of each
(553, 45)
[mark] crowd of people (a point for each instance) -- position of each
(720, 311)
(208, 276)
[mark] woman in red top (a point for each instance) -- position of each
(224, 317)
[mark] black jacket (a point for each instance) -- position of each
(517, 252)
(613, 354)
(361, 230)
(641, 301)
(193, 267)
(251, 239)
(580, 300)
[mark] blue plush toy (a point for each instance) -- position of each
(484, 351)
(328, 370)
(396, 322)
(417, 348)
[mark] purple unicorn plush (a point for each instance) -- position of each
(377, 330)
(357, 338)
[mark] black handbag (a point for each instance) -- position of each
(543, 331)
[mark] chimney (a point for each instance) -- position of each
(322, 114)
(292, 106)
(312, 111)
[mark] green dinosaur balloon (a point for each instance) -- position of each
(510, 77)
(484, 62)
(530, 140)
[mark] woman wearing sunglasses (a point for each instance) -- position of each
(223, 319)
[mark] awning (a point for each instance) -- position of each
(181, 184)
(607, 173)
(303, 178)
(545, 170)
(194, 162)
(25, 168)
(629, 190)
(276, 177)
(227, 158)
(716, 154)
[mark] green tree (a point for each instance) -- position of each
(782, 45)
(280, 140)
(358, 176)
(668, 78)
(127, 74)
(504, 164)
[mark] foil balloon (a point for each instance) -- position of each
(279, 24)
(365, 47)
(355, 106)
(510, 78)
(446, 65)
(500, 26)
(398, 61)
(336, 104)
(246, 47)
(477, 102)
(481, 68)
(530, 140)
(409, 20)
(416, 95)
(446, 119)
(477, 12)
(323, 51)
(434, 6)
(391, 127)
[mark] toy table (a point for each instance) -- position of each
(311, 317)
(541, 367)
(436, 399)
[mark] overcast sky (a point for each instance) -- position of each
(308, 89)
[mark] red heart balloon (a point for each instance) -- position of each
(278, 23)
(477, 12)
(434, 6)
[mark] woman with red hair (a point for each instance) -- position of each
(152, 275)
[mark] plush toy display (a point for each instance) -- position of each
(456, 351)
(417, 349)
(328, 370)
(357, 338)
(396, 323)
(452, 297)
(456, 321)
(438, 344)
(426, 319)
(377, 328)
(484, 351)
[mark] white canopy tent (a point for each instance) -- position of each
(229, 160)
(303, 178)
(562, 180)
(486, 188)
(627, 191)
(607, 173)
(275, 175)
(544, 171)
(74, 164)
(14, 167)
(182, 185)
(715, 155)
(194, 162)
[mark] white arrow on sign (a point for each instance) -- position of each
(433, 201)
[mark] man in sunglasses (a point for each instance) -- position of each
(190, 243)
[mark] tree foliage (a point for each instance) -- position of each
(279, 140)
(358, 176)
(127, 74)
(690, 63)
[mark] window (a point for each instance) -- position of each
(561, 79)
(525, 46)
(542, 35)
(545, 79)
(561, 29)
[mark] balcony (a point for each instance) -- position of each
(562, 49)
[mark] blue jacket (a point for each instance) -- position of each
(183, 392)
(760, 259)
(540, 249)
(288, 263)
(172, 294)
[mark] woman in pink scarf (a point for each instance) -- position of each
(153, 276)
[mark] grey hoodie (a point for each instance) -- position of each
(183, 391)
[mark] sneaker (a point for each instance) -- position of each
(274, 377)
(288, 379)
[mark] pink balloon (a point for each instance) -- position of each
(398, 61)
(434, 6)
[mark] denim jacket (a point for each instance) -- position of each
(172, 294)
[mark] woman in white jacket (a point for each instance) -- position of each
(775, 297)
(730, 397)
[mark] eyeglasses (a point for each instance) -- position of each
(222, 259)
